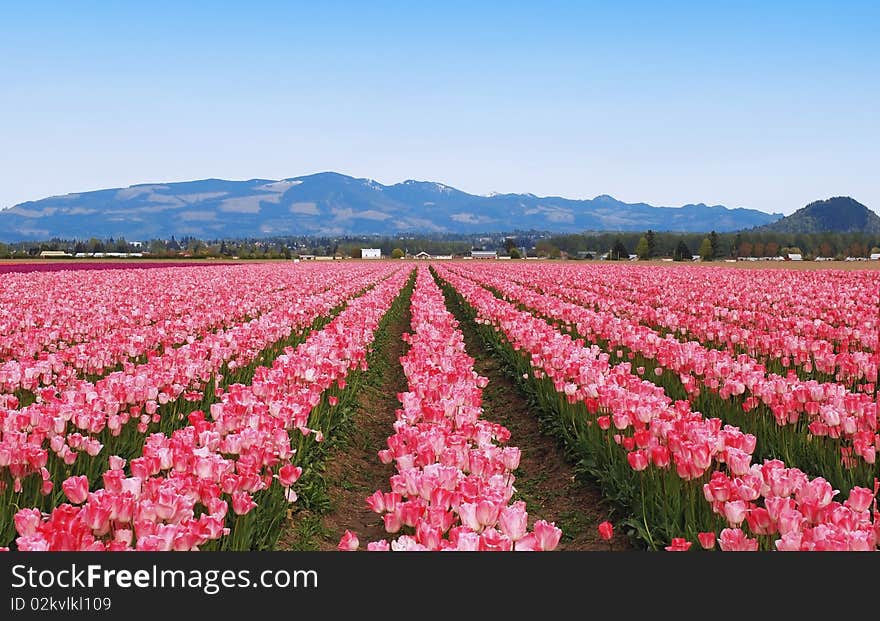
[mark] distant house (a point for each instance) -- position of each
(307, 257)
(442, 257)
(422, 255)
(824, 258)
(795, 256)
(875, 256)
(51, 254)
(587, 254)
(633, 257)
(371, 253)
(484, 254)
(695, 257)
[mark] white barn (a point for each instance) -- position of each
(371, 253)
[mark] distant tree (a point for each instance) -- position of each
(744, 249)
(734, 246)
(771, 248)
(715, 243)
(618, 250)
(826, 249)
(857, 249)
(758, 249)
(652, 244)
(705, 251)
(682, 252)
(513, 253)
(643, 248)
(397, 253)
(509, 244)
(224, 251)
(546, 249)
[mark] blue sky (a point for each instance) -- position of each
(767, 105)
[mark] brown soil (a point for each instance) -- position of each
(353, 470)
(544, 480)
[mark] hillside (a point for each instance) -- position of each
(840, 214)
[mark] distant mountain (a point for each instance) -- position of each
(840, 214)
(333, 204)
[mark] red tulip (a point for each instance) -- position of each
(707, 540)
(606, 530)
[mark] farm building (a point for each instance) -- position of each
(371, 253)
(484, 254)
(875, 256)
(795, 256)
(422, 255)
(50, 254)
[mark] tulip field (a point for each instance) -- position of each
(196, 407)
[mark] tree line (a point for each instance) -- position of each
(712, 245)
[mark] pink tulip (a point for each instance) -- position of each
(242, 503)
(547, 535)
(76, 489)
(289, 474)
(349, 542)
(514, 521)
(735, 540)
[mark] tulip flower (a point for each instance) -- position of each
(349, 542)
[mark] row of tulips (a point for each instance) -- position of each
(47, 312)
(656, 456)
(226, 479)
(835, 306)
(782, 343)
(73, 432)
(454, 484)
(821, 425)
(201, 301)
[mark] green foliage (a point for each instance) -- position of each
(682, 252)
(705, 251)
(643, 249)
(397, 253)
(618, 251)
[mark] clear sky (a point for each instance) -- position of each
(767, 105)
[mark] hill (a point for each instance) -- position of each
(839, 214)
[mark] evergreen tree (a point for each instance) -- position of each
(619, 251)
(715, 244)
(682, 252)
(652, 243)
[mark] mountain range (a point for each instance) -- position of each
(333, 204)
(839, 214)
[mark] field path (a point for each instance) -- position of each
(544, 480)
(353, 469)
